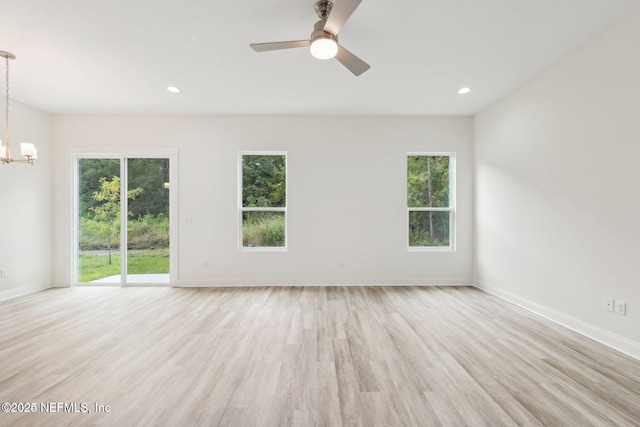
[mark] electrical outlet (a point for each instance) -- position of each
(4, 273)
(621, 308)
(608, 304)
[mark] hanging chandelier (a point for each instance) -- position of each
(29, 151)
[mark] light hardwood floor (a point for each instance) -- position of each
(279, 356)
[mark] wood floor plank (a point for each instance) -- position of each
(303, 356)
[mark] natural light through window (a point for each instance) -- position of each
(263, 201)
(430, 201)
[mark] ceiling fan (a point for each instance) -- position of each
(324, 38)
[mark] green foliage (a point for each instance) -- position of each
(90, 172)
(107, 211)
(148, 232)
(263, 229)
(264, 181)
(92, 235)
(145, 233)
(148, 174)
(428, 187)
(148, 226)
(108, 197)
(428, 228)
(263, 185)
(427, 181)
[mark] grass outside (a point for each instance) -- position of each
(263, 229)
(95, 264)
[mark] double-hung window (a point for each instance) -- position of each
(431, 201)
(263, 200)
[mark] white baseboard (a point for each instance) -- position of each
(22, 290)
(222, 282)
(61, 284)
(622, 344)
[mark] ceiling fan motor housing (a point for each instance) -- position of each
(320, 33)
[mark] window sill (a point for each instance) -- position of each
(430, 249)
(263, 249)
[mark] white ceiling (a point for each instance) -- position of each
(118, 56)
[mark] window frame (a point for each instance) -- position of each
(451, 208)
(242, 209)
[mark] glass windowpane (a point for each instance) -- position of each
(429, 228)
(264, 181)
(428, 181)
(148, 220)
(263, 229)
(99, 221)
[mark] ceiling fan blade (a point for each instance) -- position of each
(354, 64)
(341, 11)
(264, 47)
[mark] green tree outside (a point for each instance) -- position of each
(107, 211)
(99, 216)
(428, 187)
(263, 186)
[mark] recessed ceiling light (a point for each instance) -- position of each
(464, 90)
(173, 89)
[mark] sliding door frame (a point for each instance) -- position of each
(122, 155)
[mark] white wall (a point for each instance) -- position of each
(346, 195)
(25, 205)
(556, 173)
(557, 190)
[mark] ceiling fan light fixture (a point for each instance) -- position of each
(323, 41)
(324, 47)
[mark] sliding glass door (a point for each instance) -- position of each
(123, 220)
(147, 220)
(99, 221)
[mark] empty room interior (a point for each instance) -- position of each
(336, 213)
